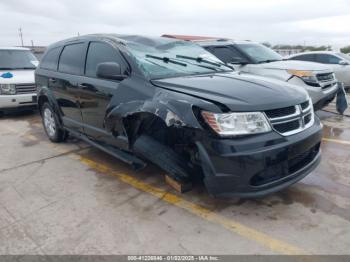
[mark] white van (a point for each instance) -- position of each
(17, 85)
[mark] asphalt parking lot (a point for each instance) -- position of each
(73, 199)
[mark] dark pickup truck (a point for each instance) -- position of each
(174, 104)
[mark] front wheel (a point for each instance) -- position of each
(51, 124)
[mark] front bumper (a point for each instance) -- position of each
(259, 165)
(17, 101)
(326, 100)
(317, 93)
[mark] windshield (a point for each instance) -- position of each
(164, 58)
(259, 53)
(17, 59)
(344, 56)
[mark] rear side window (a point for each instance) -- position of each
(101, 53)
(71, 60)
(327, 59)
(309, 57)
(227, 54)
(50, 60)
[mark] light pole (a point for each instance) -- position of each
(21, 35)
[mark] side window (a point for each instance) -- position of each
(227, 54)
(101, 53)
(308, 57)
(50, 60)
(71, 60)
(327, 59)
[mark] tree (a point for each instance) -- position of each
(304, 48)
(345, 49)
(318, 48)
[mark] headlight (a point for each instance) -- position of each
(229, 124)
(307, 76)
(7, 89)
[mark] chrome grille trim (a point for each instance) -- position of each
(299, 116)
(25, 88)
(281, 118)
(325, 77)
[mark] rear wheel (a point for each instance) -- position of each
(51, 124)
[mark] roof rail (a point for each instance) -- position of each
(192, 37)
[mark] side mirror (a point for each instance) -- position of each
(343, 62)
(110, 70)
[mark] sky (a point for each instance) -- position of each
(310, 22)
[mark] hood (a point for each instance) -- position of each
(238, 92)
(296, 65)
(17, 77)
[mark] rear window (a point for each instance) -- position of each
(308, 57)
(50, 60)
(327, 59)
(71, 60)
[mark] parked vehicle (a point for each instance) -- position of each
(17, 87)
(339, 62)
(257, 59)
(174, 104)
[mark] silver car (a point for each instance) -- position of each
(339, 62)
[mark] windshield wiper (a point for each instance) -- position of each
(166, 59)
(200, 60)
(7, 68)
(268, 61)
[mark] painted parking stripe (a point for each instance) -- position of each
(344, 142)
(202, 212)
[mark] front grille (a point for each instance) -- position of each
(305, 105)
(288, 126)
(307, 119)
(25, 88)
(325, 77)
(280, 112)
(291, 120)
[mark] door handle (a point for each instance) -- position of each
(52, 80)
(88, 87)
(83, 86)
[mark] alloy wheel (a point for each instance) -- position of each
(49, 122)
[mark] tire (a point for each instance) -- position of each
(51, 124)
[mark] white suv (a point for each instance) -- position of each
(17, 85)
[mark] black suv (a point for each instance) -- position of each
(174, 104)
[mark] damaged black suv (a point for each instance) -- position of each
(174, 104)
